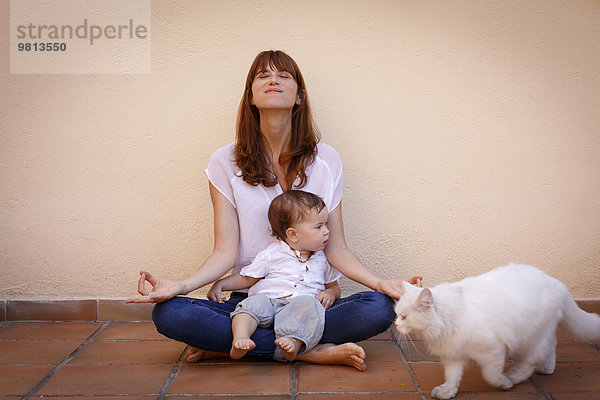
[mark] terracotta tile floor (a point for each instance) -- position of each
(129, 360)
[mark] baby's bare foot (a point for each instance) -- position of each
(290, 347)
(240, 347)
(194, 354)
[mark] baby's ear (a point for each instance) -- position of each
(291, 234)
(425, 299)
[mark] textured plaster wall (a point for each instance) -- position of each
(469, 131)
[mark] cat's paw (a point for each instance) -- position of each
(519, 373)
(505, 384)
(500, 381)
(444, 392)
(545, 369)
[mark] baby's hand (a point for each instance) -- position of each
(326, 298)
(215, 293)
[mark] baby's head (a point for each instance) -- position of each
(299, 218)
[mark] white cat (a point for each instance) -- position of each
(510, 311)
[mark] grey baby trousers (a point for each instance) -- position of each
(301, 317)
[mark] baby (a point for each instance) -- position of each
(291, 283)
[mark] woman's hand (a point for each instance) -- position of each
(162, 289)
(393, 287)
(416, 280)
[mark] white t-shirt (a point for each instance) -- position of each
(324, 178)
(285, 276)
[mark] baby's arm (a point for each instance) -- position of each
(332, 291)
(232, 282)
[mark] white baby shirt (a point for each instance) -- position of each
(285, 276)
(324, 178)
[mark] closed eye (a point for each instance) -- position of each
(262, 74)
(402, 317)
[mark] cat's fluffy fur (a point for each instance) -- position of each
(510, 311)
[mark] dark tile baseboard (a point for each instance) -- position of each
(114, 310)
(592, 306)
(73, 310)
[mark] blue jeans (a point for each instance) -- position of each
(206, 325)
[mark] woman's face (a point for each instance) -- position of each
(273, 89)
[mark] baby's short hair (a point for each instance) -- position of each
(291, 207)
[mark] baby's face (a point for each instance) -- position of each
(312, 231)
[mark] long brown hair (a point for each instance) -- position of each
(250, 152)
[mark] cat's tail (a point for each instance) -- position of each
(584, 326)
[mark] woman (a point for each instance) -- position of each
(277, 148)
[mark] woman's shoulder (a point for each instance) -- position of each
(221, 169)
(328, 154)
(325, 149)
(224, 157)
(225, 152)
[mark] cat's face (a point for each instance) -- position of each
(414, 310)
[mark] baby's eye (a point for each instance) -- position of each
(402, 317)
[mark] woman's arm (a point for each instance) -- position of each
(343, 259)
(222, 259)
(226, 248)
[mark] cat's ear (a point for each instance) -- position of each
(425, 299)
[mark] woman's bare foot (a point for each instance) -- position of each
(349, 354)
(240, 347)
(194, 354)
(290, 347)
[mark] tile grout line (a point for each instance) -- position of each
(365, 393)
(172, 376)
(407, 365)
(533, 383)
(294, 380)
(60, 366)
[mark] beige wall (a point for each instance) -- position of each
(469, 131)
